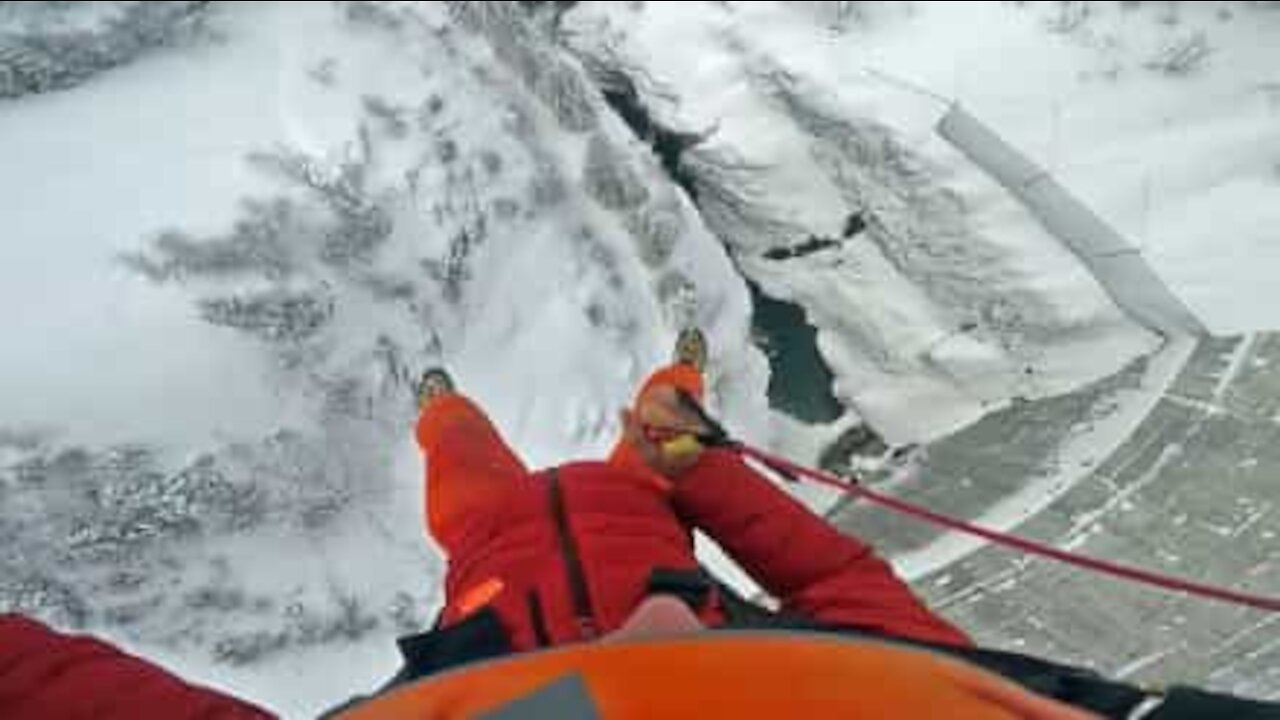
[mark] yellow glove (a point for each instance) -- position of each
(682, 451)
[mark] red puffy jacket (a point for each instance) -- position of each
(574, 549)
(47, 675)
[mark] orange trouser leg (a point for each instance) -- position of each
(680, 376)
(469, 467)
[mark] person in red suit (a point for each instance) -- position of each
(596, 560)
(568, 554)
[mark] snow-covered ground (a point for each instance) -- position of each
(234, 255)
(954, 297)
(234, 234)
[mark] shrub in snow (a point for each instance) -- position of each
(346, 622)
(215, 598)
(54, 52)
(363, 225)
(279, 272)
(590, 247)
(246, 648)
(610, 179)
(838, 15)
(1182, 57)
(372, 12)
(1069, 16)
(730, 200)
(674, 287)
(404, 614)
(43, 597)
(392, 118)
(274, 315)
(491, 162)
(505, 208)
(112, 524)
(607, 311)
(561, 87)
(454, 271)
(290, 267)
(260, 244)
(325, 73)
(545, 74)
(547, 188)
(657, 228)
(135, 503)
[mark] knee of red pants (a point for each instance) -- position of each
(459, 490)
(456, 433)
(444, 413)
(468, 465)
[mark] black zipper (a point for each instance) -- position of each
(572, 561)
(539, 620)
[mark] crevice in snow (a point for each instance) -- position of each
(669, 145)
(854, 225)
(800, 381)
(808, 247)
(939, 296)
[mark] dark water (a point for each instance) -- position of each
(800, 382)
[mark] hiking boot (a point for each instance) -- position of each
(434, 383)
(691, 348)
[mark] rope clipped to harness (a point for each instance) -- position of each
(715, 435)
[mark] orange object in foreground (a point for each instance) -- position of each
(745, 675)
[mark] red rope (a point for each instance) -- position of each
(1125, 572)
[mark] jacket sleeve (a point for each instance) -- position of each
(798, 557)
(45, 674)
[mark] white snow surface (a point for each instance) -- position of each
(891, 326)
(552, 310)
(1162, 155)
(89, 350)
(552, 321)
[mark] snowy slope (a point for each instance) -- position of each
(235, 232)
(273, 228)
(952, 297)
(83, 355)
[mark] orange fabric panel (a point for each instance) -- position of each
(479, 596)
(469, 466)
(746, 676)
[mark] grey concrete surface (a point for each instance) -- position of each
(1192, 492)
